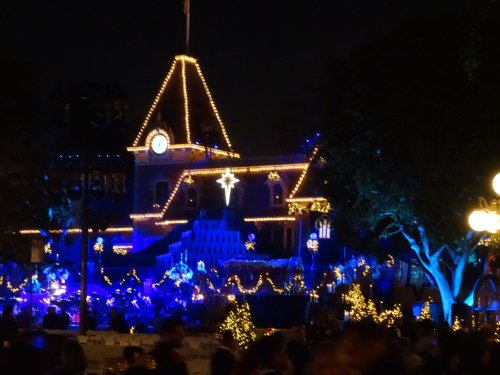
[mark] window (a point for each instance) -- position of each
(277, 192)
(192, 198)
(161, 192)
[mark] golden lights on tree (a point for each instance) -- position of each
(457, 324)
(425, 313)
(239, 322)
(497, 332)
(362, 308)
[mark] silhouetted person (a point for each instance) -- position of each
(298, 349)
(133, 355)
(73, 359)
(8, 326)
(51, 320)
(64, 319)
(168, 360)
(91, 320)
(223, 361)
(273, 357)
(117, 322)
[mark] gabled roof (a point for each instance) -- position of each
(185, 109)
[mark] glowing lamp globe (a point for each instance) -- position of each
(478, 220)
(496, 184)
(493, 222)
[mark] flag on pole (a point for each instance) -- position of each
(186, 6)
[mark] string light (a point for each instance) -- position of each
(98, 248)
(189, 180)
(212, 104)
(239, 322)
(323, 207)
(304, 172)
(186, 101)
(458, 324)
(425, 313)
(155, 103)
(122, 249)
(250, 245)
(269, 218)
(76, 230)
(172, 222)
(273, 176)
(296, 207)
(47, 248)
(390, 261)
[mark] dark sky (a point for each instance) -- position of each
(261, 58)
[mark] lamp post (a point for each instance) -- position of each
(487, 218)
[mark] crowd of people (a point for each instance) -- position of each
(363, 347)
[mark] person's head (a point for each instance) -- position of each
(426, 328)
(8, 311)
(133, 353)
(51, 310)
(360, 346)
(73, 356)
(299, 332)
(172, 331)
(227, 339)
(272, 350)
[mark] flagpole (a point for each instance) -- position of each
(187, 11)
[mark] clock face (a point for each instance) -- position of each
(159, 144)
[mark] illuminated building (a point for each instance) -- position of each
(194, 188)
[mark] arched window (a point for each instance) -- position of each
(161, 192)
(277, 192)
(192, 198)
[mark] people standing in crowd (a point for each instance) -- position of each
(117, 321)
(168, 359)
(223, 360)
(64, 318)
(51, 320)
(9, 330)
(273, 359)
(73, 359)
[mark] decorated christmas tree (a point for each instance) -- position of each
(425, 313)
(239, 321)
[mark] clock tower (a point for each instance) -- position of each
(181, 127)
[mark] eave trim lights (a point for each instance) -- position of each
(227, 182)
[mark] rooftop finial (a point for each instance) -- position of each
(187, 13)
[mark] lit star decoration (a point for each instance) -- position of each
(227, 182)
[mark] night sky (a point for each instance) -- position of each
(262, 59)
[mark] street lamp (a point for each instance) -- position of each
(487, 218)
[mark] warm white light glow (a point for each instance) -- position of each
(481, 220)
(145, 216)
(307, 199)
(172, 222)
(477, 220)
(270, 218)
(496, 184)
(227, 182)
(76, 230)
